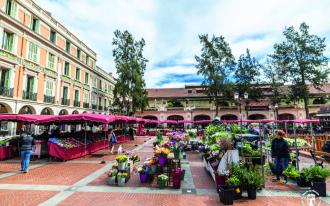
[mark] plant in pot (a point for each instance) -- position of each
(161, 181)
(235, 183)
(153, 164)
(144, 173)
(226, 194)
(253, 180)
(291, 172)
(162, 153)
(302, 181)
(177, 149)
(317, 175)
(121, 178)
(122, 162)
(112, 177)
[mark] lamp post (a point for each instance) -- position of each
(238, 100)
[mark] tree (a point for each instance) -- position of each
(215, 64)
(246, 76)
(300, 61)
(130, 93)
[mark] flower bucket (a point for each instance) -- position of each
(121, 181)
(144, 177)
(161, 184)
(320, 187)
(111, 180)
(162, 161)
(226, 194)
(153, 168)
(252, 194)
(237, 192)
(122, 166)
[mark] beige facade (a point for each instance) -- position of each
(44, 68)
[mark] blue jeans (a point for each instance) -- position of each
(25, 162)
(280, 165)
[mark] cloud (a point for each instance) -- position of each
(171, 28)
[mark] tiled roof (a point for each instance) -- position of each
(198, 92)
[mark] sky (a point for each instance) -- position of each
(171, 28)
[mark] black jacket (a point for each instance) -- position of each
(27, 142)
(280, 148)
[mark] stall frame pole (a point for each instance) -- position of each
(295, 144)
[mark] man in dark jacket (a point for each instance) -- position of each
(281, 154)
(27, 145)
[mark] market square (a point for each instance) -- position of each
(164, 103)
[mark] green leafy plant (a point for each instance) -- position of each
(291, 172)
(253, 178)
(162, 177)
(112, 173)
(233, 181)
(121, 158)
(316, 173)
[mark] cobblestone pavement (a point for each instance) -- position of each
(83, 182)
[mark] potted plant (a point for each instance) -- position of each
(302, 181)
(121, 178)
(162, 155)
(135, 158)
(122, 162)
(234, 182)
(253, 180)
(177, 149)
(161, 181)
(317, 175)
(291, 172)
(153, 164)
(143, 171)
(112, 177)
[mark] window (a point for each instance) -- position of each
(53, 36)
(7, 41)
(105, 87)
(5, 80)
(67, 69)
(35, 24)
(30, 84)
(93, 99)
(49, 88)
(33, 52)
(86, 78)
(100, 101)
(51, 61)
(100, 84)
(78, 74)
(94, 82)
(86, 97)
(105, 102)
(67, 46)
(65, 92)
(76, 95)
(11, 8)
(87, 60)
(78, 53)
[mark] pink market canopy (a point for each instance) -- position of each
(185, 121)
(29, 118)
(86, 117)
(202, 121)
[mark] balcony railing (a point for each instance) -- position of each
(7, 92)
(65, 101)
(30, 95)
(100, 108)
(93, 106)
(76, 103)
(49, 99)
(86, 105)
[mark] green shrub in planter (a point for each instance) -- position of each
(253, 180)
(291, 172)
(317, 175)
(235, 183)
(161, 181)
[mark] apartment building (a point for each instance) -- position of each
(44, 68)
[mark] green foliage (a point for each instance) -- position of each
(129, 93)
(300, 142)
(215, 147)
(316, 173)
(121, 158)
(212, 129)
(233, 181)
(159, 135)
(246, 75)
(291, 172)
(300, 59)
(215, 64)
(253, 178)
(162, 177)
(248, 151)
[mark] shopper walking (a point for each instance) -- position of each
(281, 155)
(27, 144)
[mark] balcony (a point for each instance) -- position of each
(93, 106)
(7, 92)
(100, 108)
(49, 99)
(29, 95)
(106, 109)
(86, 105)
(76, 103)
(65, 101)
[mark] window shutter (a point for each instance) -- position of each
(7, 76)
(13, 11)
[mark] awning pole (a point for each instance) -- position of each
(296, 146)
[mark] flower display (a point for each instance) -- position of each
(121, 158)
(161, 152)
(153, 161)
